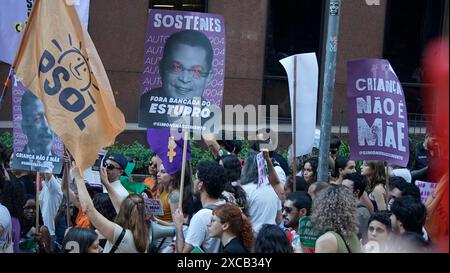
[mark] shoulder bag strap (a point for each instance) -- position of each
(118, 241)
(345, 242)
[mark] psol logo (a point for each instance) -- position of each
(72, 67)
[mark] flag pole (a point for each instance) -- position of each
(66, 181)
(5, 86)
(183, 170)
(294, 129)
(37, 201)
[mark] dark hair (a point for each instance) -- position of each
(383, 217)
(232, 146)
(232, 167)
(340, 163)
(301, 200)
(103, 204)
(320, 185)
(271, 239)
(378, 176)
(300, 185)
(335, 142)
(12, 196)
(239, 224)
(187, 189)
(407, 189)
(83, 236)
(411, 242)
(410, 212)
(314, 162)
(396, 182)
(191, 38)
(249, 172)
(213, 177)
(240, 195)
(359, 182)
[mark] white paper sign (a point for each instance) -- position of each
(426, 189)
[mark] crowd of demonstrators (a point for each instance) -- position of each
(227, 208)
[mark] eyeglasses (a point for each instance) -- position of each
(110, 166)
(287, 209)
(197, 72)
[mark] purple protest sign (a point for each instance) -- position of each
(36, 146)
(183, 75)
(377, 117)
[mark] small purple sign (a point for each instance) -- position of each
(377, 118)
(36, 146)
(183, 75)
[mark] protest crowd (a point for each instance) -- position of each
(224, 208)
(382, 193)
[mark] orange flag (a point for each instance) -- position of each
(58, 62)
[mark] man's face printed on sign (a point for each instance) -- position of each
(186, 73)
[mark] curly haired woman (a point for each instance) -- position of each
(233, 228)
(334, 212)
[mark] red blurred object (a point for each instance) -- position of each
(436, 105)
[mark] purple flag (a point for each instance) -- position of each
(169, 147)
(377, 118)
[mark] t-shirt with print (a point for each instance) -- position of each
(126, 245)
(197, 234)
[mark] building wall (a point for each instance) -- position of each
(118, 29)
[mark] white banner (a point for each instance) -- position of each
(307, 79)
(13, 17)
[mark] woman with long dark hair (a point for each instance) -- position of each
(81, 240)
(271, 239)
(375, 173)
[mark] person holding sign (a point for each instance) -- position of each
(185, 69)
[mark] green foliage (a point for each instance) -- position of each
(344, 149)
(136, 151)
(198, 154)
(7, 139)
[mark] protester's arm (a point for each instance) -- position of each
(379, 193)
(181, 245)
(115, 198)
(273, 178)
(213, 145)
(326, 243)
(103, 225)
(366, 201)
(279, 217)
(1, 230)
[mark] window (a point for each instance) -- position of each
(293, 27)
(410, 25)
(186, 5)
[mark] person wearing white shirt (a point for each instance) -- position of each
(115, 167)
(50, 199)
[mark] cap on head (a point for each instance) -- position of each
(120, 159)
